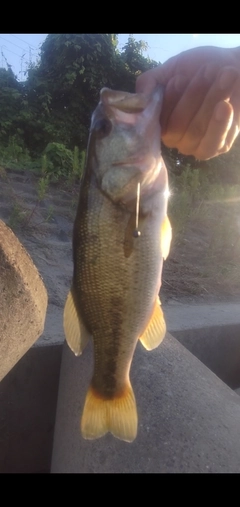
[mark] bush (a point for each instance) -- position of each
(15, 155)
(59, 163)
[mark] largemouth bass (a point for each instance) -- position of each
(121, 236)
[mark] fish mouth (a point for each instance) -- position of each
(133, 161)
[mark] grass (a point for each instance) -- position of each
(49, 168)
(57, 163)
(17, 216)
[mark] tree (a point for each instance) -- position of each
(131, 63)
(56, 101)
(10, 105)
(74, 67)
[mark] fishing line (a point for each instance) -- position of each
(136, 232)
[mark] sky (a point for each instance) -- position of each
(21, 48)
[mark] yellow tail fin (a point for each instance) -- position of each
(117, 415)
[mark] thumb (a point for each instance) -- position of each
(161, 74)
(147, 81)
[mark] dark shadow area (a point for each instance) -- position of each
(28, 399)
(218, 348)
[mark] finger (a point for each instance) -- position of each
(231, 136)
(214, 140)
(235, 101)
(220, 90)
(147, 81)
(194, 129)
(188, 106)
(173, 93)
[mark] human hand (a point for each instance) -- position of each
(201, 106)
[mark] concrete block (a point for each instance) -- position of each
(188, 418)
(23, 301)
(218, 347)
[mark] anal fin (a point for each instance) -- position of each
(155, 330)
(76, 333)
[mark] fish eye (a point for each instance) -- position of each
(102, 127)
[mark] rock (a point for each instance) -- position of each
(23, 300)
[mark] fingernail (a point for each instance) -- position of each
(227, 78)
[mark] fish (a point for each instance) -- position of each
(121, 236)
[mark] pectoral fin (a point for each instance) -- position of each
(156, 329)
(76, 333)
(166, 237)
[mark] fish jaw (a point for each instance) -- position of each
(125, 132)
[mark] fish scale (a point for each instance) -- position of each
(106, 280)
(117, 277)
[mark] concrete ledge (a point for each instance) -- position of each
(188, 418)
(175, 393)
(181, 316)
(218, 347)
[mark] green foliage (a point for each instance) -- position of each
(72, 70)
(53, 108)
(75, 161)
(3, 173)
(16, 217)
(44, 165)
(10, 105)
(131, 63)
(14, 150)
(14, 155)
(82, 161)
(133, 58)
(78, 162)
(42, 187)
(59, 161)
(56, 101)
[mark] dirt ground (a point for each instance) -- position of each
(198, 269)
